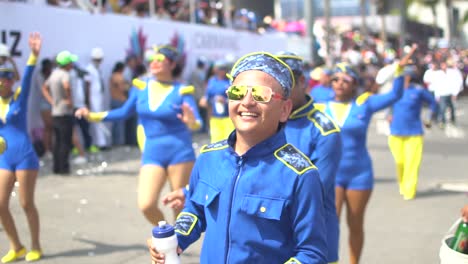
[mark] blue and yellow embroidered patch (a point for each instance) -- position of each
(185, 223)
(294, 159)
(323, 122)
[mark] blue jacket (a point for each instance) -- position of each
(406, 112)
(265, 206)
(315, 134)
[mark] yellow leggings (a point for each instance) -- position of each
(407, 152)
(220, 128)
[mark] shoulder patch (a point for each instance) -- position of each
(323, 122)
(187, 90)
(185, 223)
(294, 159)
(214, 146)
(139, 84)
(17, 93)
(363, 98)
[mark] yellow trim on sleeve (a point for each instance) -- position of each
(97, 116)
(398, 70)
(191, 226)
(17, 93)
(363, 98)
(139, 84)
(32, 60)
(187, 90)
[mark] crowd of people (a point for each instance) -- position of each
(268, 115)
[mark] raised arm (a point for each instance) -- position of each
(381, 101)
(35, 42)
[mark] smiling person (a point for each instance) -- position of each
(167, 113)
(257, 198)
(18, 160)
(355, 179)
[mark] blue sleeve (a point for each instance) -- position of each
(190, 223)
(126, 110)
(190, 100)
(381, 101)
(308, 223)
(25, 85)
(327, 158)
(429, 99)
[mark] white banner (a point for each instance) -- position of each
(79, 32)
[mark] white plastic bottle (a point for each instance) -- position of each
(165, 241)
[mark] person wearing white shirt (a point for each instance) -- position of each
(98, 99)
(447, 83)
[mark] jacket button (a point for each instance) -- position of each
(206, 197)
(262, 209)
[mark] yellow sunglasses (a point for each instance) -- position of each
(261, 94)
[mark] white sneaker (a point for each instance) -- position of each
(79, 160)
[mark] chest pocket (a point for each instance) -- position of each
(204, 194)
(263, 207)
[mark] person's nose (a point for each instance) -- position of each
(248, 98)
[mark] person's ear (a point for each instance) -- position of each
(286, 109)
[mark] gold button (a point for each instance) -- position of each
(262, 209)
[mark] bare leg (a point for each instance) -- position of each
(27, 185)
(356, 202)
(179, 175)
(151, 181)
(76, 141)
(7, 181)
(339, 199)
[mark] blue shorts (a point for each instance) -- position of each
(168, 150)
(354, 175)
(19, 156)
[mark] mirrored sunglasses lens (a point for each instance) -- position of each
(236, 92)
(159, 57)
(261, 94)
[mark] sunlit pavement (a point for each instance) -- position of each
(92, 215)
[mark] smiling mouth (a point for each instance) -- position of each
(248, 114)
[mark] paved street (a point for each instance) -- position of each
(92, 216)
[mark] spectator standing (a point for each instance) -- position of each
(57, 91)
(98, 98)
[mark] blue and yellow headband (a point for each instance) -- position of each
(269, 64)
(345, 68)
(167, 50)
(7, 73)
(294, 62)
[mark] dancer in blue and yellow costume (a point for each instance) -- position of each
(406, 133)
(355, 179)
(220, 123)
(18, 160)
(315, 134)
(167, 113)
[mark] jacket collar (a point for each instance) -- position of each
(266, 147)
(303, 110)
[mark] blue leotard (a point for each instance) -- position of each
(17, 152)
(167, 140)
(355, 170)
